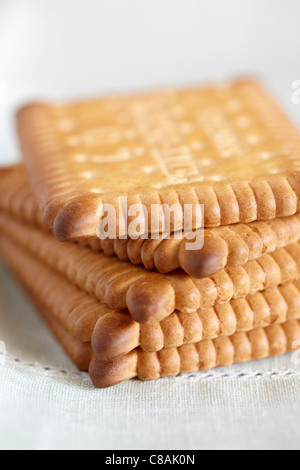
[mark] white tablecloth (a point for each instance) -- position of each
(46, 404)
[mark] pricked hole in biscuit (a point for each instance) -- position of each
(198, 146)
(139, 152)
(277, 171)
(255, 139)
(196, 179)
(122, 118)
(148, 170)
(226, 153)
(130, 134)
(234, 106)
(88, 175)
(243, 122)
(268, 155)
(73, 141)
(81, 158)
(178, 111)
(187, 128)
(216, 178)
(296, 166)
(66, 125)
(96, 191)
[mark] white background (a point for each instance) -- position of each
(62, 49)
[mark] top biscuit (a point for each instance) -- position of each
(228, 147)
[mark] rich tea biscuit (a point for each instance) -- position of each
(224, 246)
(150, 296)
(257, 344)
(230, 148)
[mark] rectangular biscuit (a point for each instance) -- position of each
(228, 147)
(232, 246)
(73, 308)
(80, 353)
(114, 334)
(16, 196)
(150, 296)
(223, 247)
(241, 347)
(257, 344)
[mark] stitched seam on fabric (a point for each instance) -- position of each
(40, 367)
(236, 375)
(195, 376)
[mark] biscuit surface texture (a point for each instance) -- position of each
(227, 147)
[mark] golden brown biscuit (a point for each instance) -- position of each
(224, 246)
(74, 309)
(273, 306)
(229, 147)
(113, 334)
(257, 344)
(16, 197)
(151, 296)
(240, 347)
(80, 353)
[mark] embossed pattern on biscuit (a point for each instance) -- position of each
(230, 148)
(259, 343)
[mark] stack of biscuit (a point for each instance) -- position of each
(149, 306)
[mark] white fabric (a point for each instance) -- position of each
(45, 403)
